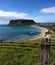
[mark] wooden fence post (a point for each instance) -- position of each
(45, 51)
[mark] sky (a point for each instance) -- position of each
(38, 10)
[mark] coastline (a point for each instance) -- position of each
(41, 35)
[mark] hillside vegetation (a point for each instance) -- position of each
(51, 30)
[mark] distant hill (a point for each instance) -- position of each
(21, 22)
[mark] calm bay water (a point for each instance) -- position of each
(13, 33)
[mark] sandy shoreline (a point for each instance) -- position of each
(41, 35)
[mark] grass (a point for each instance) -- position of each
(51, 30)
(19, 53)
(23, 53)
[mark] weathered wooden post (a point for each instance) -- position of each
(45, 51)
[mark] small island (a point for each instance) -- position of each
(22, 22)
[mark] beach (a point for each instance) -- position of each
(42, 34)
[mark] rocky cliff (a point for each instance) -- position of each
(21, 22)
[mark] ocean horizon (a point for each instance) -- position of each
(13, 33)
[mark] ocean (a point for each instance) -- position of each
(13, 33)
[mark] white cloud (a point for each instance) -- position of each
(5, 16)
(12, 14)
(48, 10)
(38, 18)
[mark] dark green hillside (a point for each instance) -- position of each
(21, 22)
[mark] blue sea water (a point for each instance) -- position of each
(13, 33)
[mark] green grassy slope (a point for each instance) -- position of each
(23, 53)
